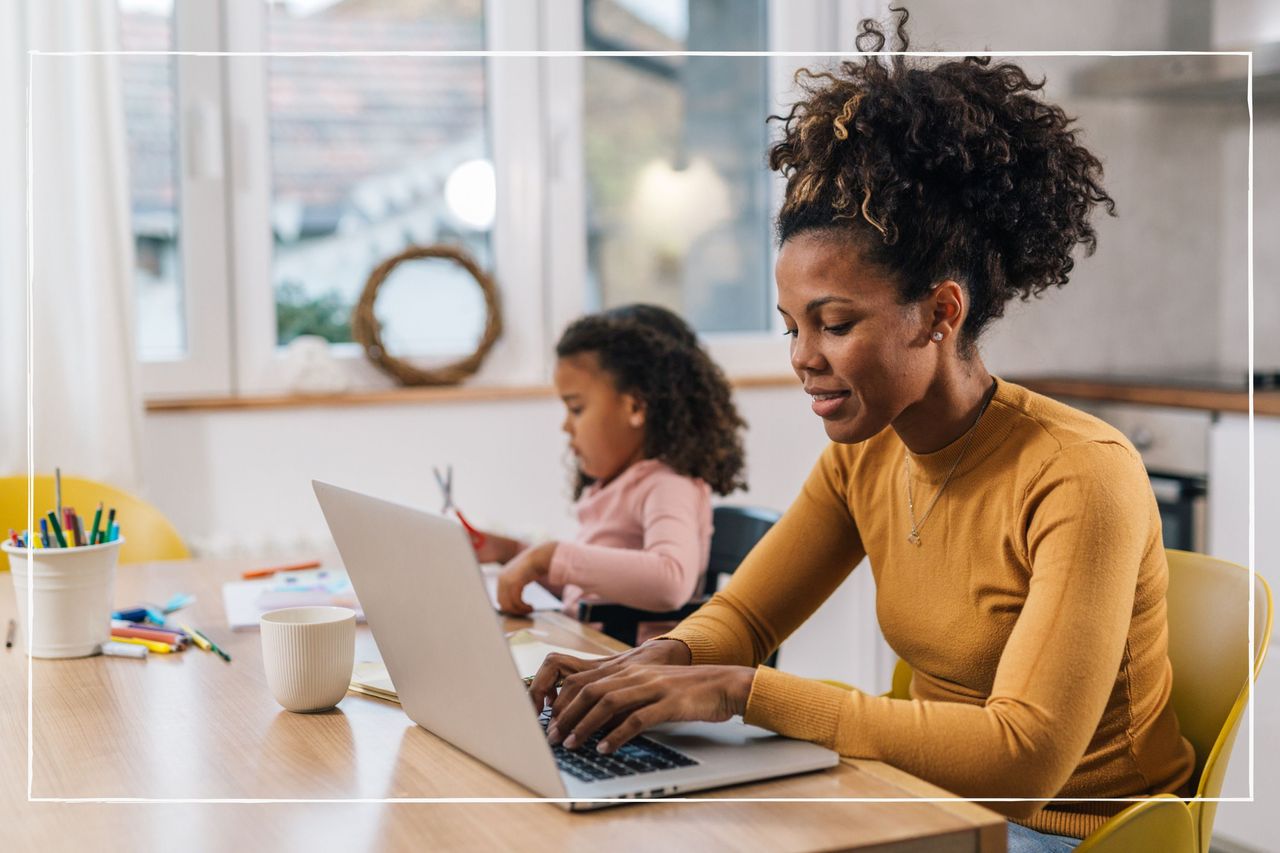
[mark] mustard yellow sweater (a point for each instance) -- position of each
(1032, 614)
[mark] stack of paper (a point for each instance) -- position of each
(246, 601)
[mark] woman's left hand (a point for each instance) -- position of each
(642, 696)
(531, 564)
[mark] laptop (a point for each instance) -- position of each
(424, 598)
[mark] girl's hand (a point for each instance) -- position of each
(634, 698)
(497, 549)
(529, 565)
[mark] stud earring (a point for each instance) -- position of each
(937, 336)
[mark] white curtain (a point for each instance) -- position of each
(88, 408)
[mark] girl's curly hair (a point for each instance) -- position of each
(953, 170)
(691, 423)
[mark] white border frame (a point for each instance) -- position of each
(527, 54)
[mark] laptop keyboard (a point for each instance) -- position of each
(639, 755)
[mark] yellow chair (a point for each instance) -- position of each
(1208, 602)
(147, 533)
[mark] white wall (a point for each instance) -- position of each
(240, 481)
(1167, 287)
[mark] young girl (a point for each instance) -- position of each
(654, 431)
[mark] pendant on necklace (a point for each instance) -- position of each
(914, 538)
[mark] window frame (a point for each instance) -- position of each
(207, 367)
(791, 25)
(535, 122)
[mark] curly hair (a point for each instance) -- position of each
(691, 423)
(952, 170)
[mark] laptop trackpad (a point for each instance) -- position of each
(689, 737)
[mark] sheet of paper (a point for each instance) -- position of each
(371, 676)
(246, 601)
(535, 595)
(530, 654)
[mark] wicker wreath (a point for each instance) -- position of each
(366, 329)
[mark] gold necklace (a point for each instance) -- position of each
(914, 536)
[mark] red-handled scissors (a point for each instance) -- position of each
(445, 481)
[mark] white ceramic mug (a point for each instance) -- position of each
(308, 653)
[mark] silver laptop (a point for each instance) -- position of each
(443, 645)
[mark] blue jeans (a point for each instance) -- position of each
(1023, 840)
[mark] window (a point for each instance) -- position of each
(267, 187)
(677, 187)
(372, 154)
(149, 88)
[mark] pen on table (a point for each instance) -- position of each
(8, 635)
(268, 572)
(217, 650)
(213, 647)
(177, 602)
(169, 639)
(197, 638)
(97, 521)
(204, 642)
(123, 650)
(151, 645)
(120, 622)
(57, 530)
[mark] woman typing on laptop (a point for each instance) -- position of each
(1015, 541)
(654, 431)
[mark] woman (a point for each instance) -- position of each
(1015, 542)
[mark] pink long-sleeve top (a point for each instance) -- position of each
(644, 540)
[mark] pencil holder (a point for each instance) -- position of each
(72, 591)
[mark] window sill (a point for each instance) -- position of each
(383, 396)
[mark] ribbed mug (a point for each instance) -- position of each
(308, 653)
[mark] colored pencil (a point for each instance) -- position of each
(57, 530)
(151, 645)
(97, 521)
(69, 525)
(147, 634)
(292, 567)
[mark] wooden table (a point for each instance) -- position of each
(189, 726)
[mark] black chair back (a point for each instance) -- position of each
(737, 530)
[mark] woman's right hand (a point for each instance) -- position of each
(557, 668)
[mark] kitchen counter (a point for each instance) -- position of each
(1154, 392)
